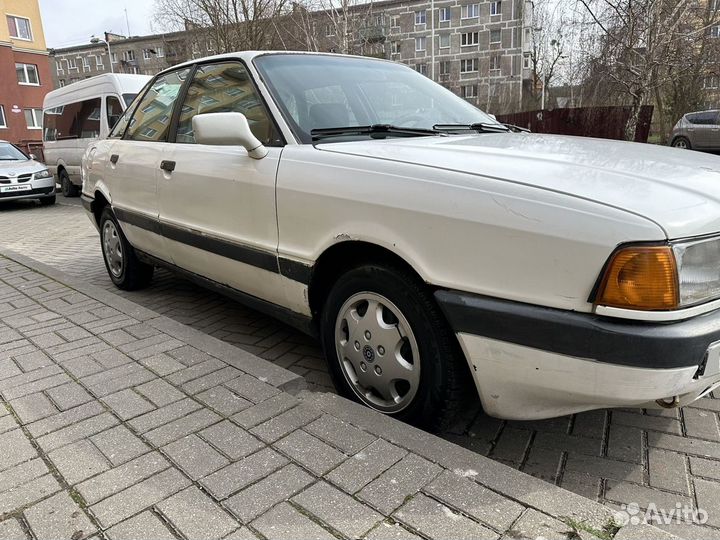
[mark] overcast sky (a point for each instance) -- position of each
(72, 22)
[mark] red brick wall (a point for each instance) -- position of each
(25, 97)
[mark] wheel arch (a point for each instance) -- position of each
(100, 202)
(342, 256)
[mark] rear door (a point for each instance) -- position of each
(217, 204)
(134, 164)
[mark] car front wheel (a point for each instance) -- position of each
(682, 143)
(389, 347)
(66, 186)
(124, 268)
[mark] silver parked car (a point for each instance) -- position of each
(21, 177)
(697, 130)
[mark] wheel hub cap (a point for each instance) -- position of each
(112, 249)
(378, 352)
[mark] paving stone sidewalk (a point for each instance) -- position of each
(118, 423)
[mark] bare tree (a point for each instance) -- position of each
(547, 46)
(644, 48)
(225, 25)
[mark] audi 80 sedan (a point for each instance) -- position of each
(424, 243)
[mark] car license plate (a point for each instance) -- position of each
(8, 189)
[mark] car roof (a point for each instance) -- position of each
(706, 110)
(249, 56)
(106, 83)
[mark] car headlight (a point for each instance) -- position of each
(45, 173)
(653, 278)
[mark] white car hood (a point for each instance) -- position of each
(677, 189)
(15, 168)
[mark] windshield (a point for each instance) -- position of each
(319, 91)
(9, 153)
(128, 98)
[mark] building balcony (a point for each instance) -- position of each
(372, 34)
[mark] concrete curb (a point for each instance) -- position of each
(517, 486)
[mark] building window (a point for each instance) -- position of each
(496, 7)
(113, 58)
(444, 67)
(58, 67)
(470, 38)
(422, 69)
(128, 56)
(99, 62)
(329, 30)
(395, 21)
(160, 52)
(86, 63)
(470, 11)
(19, 27)
(61, 82)
(527, 60)
(712, 82)
(3, 122)
(33, 118)
(27, 74)
(420, 43)
(420, 17)
(209, 46)
(444, 14)
(495, 62)
(72, 63)
(715, 31)
(469, 65)
(444, 41)
(146, 54)
(495, 36)
(395, 47)
(469, 91)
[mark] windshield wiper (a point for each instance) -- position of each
(376, 131)
(480, 127)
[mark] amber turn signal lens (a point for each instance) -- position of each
(641, 277)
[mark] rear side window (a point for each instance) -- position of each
(113, 109)
(225, 88)
(80, 120)
(151, 119)
(703, 118)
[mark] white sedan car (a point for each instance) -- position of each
(424, 243)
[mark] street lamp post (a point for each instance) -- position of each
(96, 40)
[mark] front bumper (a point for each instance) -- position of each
(43, 187)
(535, 362)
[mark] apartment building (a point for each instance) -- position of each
(24, 54)
(473, 47)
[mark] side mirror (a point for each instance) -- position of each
(33, 157)
(227, 129)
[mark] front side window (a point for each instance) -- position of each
(113, 109)
(703, 118)
(27, 74)
(420, 17)
(225, 87)
(156, 103)
(19, 27)
(33, 118)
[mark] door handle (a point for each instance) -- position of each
(114, 159)
(168, 166)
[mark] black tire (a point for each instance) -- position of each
(443, 375)
(48, 201)
(132, 274)
(66, 186)
(682, 142)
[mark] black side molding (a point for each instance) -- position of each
(583, 335)
(88, 203)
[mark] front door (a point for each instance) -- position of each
(703, 129)
(217, 204)
(135, 161)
